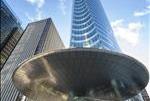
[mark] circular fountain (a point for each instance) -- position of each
(80, 73)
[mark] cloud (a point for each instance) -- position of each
(143, 12)
(129, 33)
(29, 17)
(148, 0)
(38, 3)
(148, 7)
(39, 16)
(62, 6)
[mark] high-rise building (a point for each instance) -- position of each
(11, 32)
(91, 28)
(40, 36)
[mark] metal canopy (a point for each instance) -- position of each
(80, 72)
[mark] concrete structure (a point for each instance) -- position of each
(11, 32)
(40, 36)
(81, 74)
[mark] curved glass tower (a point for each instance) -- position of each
(90, 26)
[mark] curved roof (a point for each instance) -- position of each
(84, 72)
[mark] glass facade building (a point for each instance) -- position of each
(40, 36)
(11, 31)
(91, 28)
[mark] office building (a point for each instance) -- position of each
(11, 32)
(40, 36)
(91, 28)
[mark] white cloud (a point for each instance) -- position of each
(39, 16)
(129, 33)
(143, 12)
(38, 3)
(148, 0)
(130, 42)
(29, 17)
(62, 6)
(148, 7)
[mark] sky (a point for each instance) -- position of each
(130, 20)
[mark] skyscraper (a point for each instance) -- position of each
(91, 28)
(11, 32)
(40, 36)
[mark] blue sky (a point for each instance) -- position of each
(130, 20)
